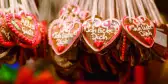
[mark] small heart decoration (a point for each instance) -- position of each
(60, 48)
(100, 34)
(70, 9)
(84, 15)
(140, 29)
(24, 26)
(98, 44)
(62, 35)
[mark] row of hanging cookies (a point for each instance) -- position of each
(22, 35)
(86, 32)
(108, 33)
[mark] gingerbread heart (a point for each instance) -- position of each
(63, 34)
(100, 34)
(24, 26)
(140, 29)
(5, 34)
(39, 38)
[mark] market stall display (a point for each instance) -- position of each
(85, 35)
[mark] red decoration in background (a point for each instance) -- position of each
(139, 75)
(44, 78)
(99, 82)
(26, 76)
(87, 64)
(44, 37)
(166, 54)
(21, 56)
(101, 62)
(62, 82)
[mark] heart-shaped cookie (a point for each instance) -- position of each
(5, 34)
(63, 34)
(24, 26)
(141, 29)
(37, 41)
(100, 34)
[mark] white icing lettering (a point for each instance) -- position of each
(7, 34)
(63, 37)
(57, 35)
(62, 41)
(143, 30)
(27, 27)
(27, 31)
(99, 37)
(145, 33)
(26, 22)
(99, 32)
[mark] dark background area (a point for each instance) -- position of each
(163, 7)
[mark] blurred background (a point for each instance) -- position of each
(157, 71)
(163, 8)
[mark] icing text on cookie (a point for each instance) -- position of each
(98, 30)
(7, 34)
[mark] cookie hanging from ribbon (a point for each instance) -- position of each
(99, 34)
(63, 35)
(64, 32)
(140, 29)
(24, 26)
